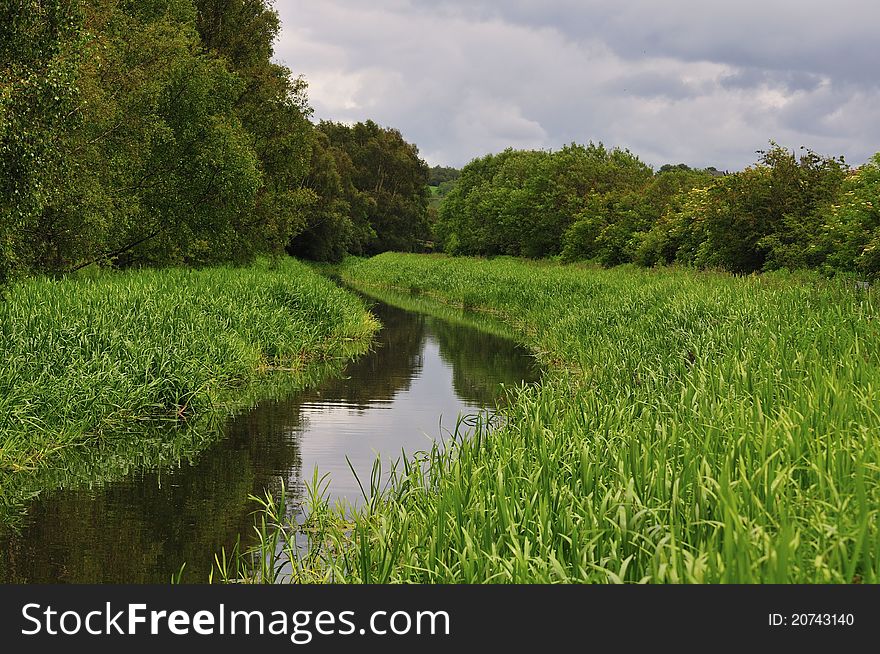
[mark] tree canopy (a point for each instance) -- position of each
(788, 210)
(522, 202)
(438, 175)
(162, 132)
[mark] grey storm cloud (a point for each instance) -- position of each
(653, 85)
(791, 81)
(705, 83)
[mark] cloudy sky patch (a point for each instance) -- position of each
(704, 83)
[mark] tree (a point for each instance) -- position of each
(160, 132)
(439, 175)
(390, 173)
(612, 211)
(755, 219)
(523, 202)
(41, 47)
(273, 107)
(166, 173)
(849, 236)
(761, 218)
(338, 218)
(120, 142)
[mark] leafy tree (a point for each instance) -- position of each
(761, 218)
(120, 141)
(41, 46)
(166, 173)
(754, 219)
(798, 187)
(456, 229)
(157, 132)
(523, 202)
(389, 171)
(660, 196)
(338, 218)
(614, 209)
(607, 228)
(273, 107)
(679, 234)
(849, 236)
(667, 168)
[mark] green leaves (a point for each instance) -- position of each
(588, 203)
(371, 186)
(41, 46)
(523, 202)
(127, 138)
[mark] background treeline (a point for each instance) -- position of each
(592, 203)
(370, 194)
(441, 180)
(157, 132)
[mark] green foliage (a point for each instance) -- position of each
(338, 210)
(41, 48)
(757, 222)
(692, 428)
(668, 168)
(589, 203)
(438, 195)
(849, 234)
(440, 175)
(94, 361)
(390, 206)
(163, 133)
(272, 106)
(763, 218)
(679, 233)
(664, 193)
(120, 142)
(522, 202)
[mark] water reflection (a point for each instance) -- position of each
(422, 373)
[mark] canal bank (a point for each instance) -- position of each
(421, 374)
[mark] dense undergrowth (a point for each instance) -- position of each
(122, 369)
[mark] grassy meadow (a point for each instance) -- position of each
(102, 373)
(691, 428)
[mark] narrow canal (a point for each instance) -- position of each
(422, 373)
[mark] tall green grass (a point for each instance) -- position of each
(100, 365)
(692, 428)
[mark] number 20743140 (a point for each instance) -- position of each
(811, 620)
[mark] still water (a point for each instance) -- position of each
(422, 373)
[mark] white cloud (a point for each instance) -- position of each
(700, 83)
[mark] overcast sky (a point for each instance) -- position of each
(704, 83)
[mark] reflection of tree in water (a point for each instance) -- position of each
(150, 524)
(387, 370)
(481, 362)
(155, 521)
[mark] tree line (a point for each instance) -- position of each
(790, 210)
(161, 132)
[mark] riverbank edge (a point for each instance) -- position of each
(334, 527)
(768, 525)
(83, 458)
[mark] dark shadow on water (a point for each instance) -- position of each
(409, 390)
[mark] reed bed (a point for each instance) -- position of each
(692, 428)
(101, 364)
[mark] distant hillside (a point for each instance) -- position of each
(439, 174)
